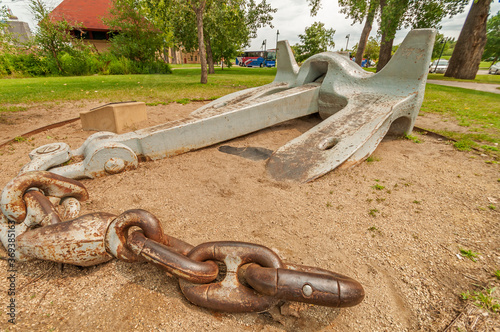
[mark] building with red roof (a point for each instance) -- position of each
(87, 15)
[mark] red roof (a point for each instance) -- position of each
(88, 13)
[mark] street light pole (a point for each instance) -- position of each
(277, 36)
(444, 41)
(347, 44)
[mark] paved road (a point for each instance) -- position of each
(486, 87)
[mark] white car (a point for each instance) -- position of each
(494, 69)
(441, 66)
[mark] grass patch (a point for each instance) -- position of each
(19, 139)
(491, 79)
(480, 111)
(378, 187)
(412, 138)
(464, 145)
(373, 212)
(371, 159)
(483, 299)
(489, 148)
(181, 84)
(12, 109)
(186, 65)
(469, 254)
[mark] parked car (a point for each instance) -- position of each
(495, 69)
(441, 66)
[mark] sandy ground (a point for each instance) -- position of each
(401, 242)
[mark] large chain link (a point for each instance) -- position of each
(225, 276)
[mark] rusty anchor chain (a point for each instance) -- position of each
(224, 276)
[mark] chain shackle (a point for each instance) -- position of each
(172, 260)
(116, 239)
(305, 284)
(12, 198)
(39, 210)
(230, 294)
(79, 241)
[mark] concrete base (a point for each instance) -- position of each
(115, 117)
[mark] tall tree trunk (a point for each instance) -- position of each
(385, 52)
(174, 55)
(366, 32)
(201, 42)
(464, 62)
(166, 58)
(388, 25)
(54, 55)
(210, 58)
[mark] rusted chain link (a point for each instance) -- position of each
(225, 276)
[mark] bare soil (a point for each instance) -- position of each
(401, 241)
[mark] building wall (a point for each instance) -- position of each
(20, 30)
(193, 57)
(100, 45)
(178, 56)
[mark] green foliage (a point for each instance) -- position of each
(53, 38)
(441, 44)
(492, 48)
(134, 37)
(397, 14)
(316, 39)
(58, 53)
(372, 49)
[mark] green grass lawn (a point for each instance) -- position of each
(492, 79)
(187, 65)
(180, 85)
(478, 111)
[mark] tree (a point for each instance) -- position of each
(231, 25)
(372, 49)
(5, 35)
(133, 36)
(179, 14)
(228, 26)
(464, 62)
(397, 14)
(316, 39)
(492, 48)
(52, 37)
(358, 11)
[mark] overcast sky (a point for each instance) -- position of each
(293, 17)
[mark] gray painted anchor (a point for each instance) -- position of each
(359, 108)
